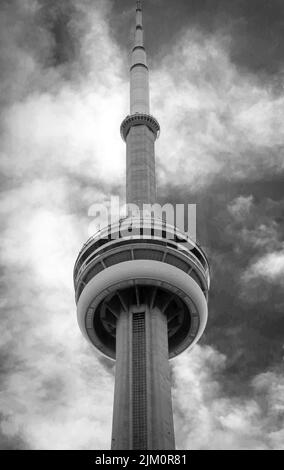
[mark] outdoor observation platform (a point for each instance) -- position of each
(140, 262)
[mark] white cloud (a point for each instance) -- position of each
(68, 131)
(56, 395)
(269, 267)
(205, 418)
(240, 207)
(214, 120)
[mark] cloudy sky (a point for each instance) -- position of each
(217, 71)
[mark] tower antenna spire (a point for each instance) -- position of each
(139, 22)
(140, 128)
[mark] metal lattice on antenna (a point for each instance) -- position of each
(138, 5)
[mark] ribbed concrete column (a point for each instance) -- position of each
(139, 90)
(140, 159)
(142, 417)
(121, 426)
(160, 413)
(140, 166)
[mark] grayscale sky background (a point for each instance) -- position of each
(217, 70)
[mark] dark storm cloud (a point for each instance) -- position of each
(238, 224)
(41, 46)
(255, 28)
(11, 443)
(59, 19)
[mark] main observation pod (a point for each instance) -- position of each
(141, 262)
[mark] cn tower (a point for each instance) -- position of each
(141, 286)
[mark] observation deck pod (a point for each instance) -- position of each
(141, 262)
(139, 119)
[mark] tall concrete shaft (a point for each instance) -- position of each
(142, 414)
(140, 140)
(143, 417)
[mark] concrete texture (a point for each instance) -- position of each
(140, 166)
(142, 417)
